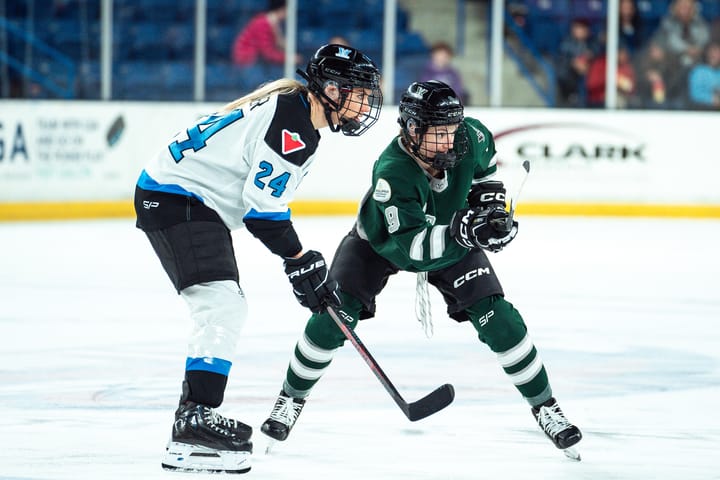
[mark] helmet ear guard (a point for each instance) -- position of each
(348, 69)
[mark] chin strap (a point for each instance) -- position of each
(326, 106)
(422, 304)
(350, 126)
(328, 116)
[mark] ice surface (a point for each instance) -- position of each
(624, 312)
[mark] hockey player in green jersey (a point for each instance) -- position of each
(433, 209)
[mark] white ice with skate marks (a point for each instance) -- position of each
(624, 313)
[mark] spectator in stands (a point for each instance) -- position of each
(634, 33)
(625, 79)
(683, 33)
(661, 82)
(262, 40)
(704, 80)
(440, 67)
(573, 61)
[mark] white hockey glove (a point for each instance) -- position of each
(312, 284)
(482, 228)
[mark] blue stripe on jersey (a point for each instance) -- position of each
(267, 215)
(208, 364)
(146, 182)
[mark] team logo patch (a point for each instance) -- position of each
(419, 92)
(343, 53)
(382, 191)
(291, 142)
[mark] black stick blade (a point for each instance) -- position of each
(431, 403)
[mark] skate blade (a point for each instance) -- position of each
(572, 453)
(194, 458)
(270, 445)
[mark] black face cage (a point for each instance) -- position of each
(346, 78)
(362, 121)
(440, 160)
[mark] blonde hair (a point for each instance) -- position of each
(282, 86)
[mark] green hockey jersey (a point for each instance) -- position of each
(406, 213)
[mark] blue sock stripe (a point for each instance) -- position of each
(208, 364)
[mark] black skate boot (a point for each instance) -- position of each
(283, 416)
(552, 421)
(204, 441)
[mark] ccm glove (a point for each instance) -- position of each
(312, 284)
(485, 228)
(487, 194)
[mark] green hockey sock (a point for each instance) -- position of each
(315, 349)
(500, 326)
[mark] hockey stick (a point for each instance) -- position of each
(431, 403)
(513, 200)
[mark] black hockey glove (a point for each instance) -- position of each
(483, 228)
(312, 285)
(487, 194)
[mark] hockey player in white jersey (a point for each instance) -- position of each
(240, 167)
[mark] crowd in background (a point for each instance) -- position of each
(673, 66)
(669, 61)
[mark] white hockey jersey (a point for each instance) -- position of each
(244, 164)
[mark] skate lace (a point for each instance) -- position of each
(422, 304)
(286, 411)
(215, 420)
(552, 420)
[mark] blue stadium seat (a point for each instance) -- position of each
(308, 16)
(137, 81)
(548, 8)
(367, 41)
(16, 9)
(546, 34)
(411, 43)
(72, 37)
(145, 41)
(153, 81)
(407, 70)
(340, 14)
(372, 14)
(710, 9)
(653, 9)
(591, 10)
(88, 80)
(178, 79)
(165, 10)
(232, 12)
(179, 40)
(42, 10)
(224, 81)
(220, 40)
(548, 22)
(403, 20)
(309, 40)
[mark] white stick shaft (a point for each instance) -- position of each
(514, 198)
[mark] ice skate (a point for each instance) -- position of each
(204, 441)
(283, 416)
(558, 429)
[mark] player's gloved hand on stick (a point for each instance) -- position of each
(487, 194)
(484, 228)
(312, 284)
